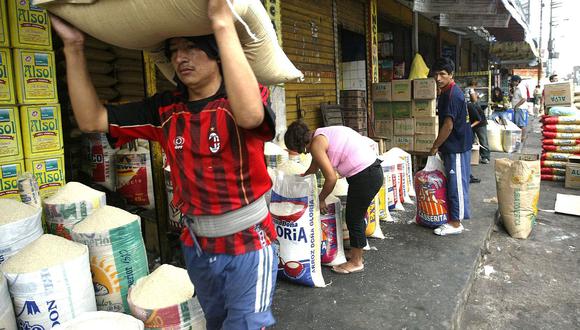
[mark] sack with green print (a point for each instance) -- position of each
(117, 254)
(69, 205)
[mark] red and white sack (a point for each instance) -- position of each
(100, 161)
(393, 166)
(134, 177)
(561, 142)
(173, 210)
(332, 245)
(431, 188)
(560, 135)
(408, 190)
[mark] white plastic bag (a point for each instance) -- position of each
(7, 319)
(332, 245)
(17, 235)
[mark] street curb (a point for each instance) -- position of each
(466, 291)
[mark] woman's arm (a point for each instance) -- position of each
(318, 149)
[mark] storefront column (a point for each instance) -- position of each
(372, 60)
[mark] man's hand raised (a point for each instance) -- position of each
(71, 36)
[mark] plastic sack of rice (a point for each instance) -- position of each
(332, 245)
(372, 220)
(117, 254)
(101, 321)
(20, 225)
(49, 282)
(134, 176)
(166, 300)
(409, 190)
(100, 161)
(174, 212)
(511, 137)
(393, 166)
(7, 319)
(518, 192)
(494, 136)
(295, 210)
(431, 188)
(69, 205)
(384, 214)
(146, 24)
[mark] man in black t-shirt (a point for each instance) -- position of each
(479, 127)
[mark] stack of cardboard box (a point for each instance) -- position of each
(354, 110)
(404, 119)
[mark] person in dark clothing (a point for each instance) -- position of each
(479, 127)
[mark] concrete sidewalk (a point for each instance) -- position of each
(415, 279)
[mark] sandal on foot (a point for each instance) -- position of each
(343, 271)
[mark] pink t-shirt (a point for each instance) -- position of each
(348, 151)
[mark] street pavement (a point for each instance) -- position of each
(417, 280)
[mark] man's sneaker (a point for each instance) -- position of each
(473, 179)
(484, 161)
(448, 229)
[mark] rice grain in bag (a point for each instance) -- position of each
(518, 191)
(431, 188)
(295, 211)
(20, 225)
(69, 205)
(49, 282)
(7, 319)
(332, 245)
(117, 254)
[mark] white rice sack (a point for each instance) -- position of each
(372, 220)
(69, 205)
(295, 211)
(340, 188)
(383, 207)
(7, 319)
(166, 299)
(134, 177)
(102, 320)
(50, 282)
(117, 251)
(20, 225)
(292, 167)
(332, 245)
(173, 211)
(100, 160)
(511, 137)
(408, 168)
(494, 136)
(393, 166)
(274, 154)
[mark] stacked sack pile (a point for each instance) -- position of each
(561, 130)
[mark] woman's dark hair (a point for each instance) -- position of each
(297, 136)
(494, 95)
(444, 64)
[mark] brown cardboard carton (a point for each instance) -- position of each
(401, 90)
(424, 89)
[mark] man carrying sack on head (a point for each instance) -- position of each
(212, 129)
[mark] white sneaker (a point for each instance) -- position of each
(448, 229)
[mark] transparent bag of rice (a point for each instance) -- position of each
(102, 320)
(7, 319)
(20, 225)
(49, 282)
(117, 254)
(295, 211)
(69, 205)
(166, 300)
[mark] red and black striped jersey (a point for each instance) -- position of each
(216, 166)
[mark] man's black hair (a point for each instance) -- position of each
(444, 64)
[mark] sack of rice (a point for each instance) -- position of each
(174, 211)
(511, 137)
(274, 154)
(131, 89)
(518, 191)
(69, 205)
(134, 176)
(101, 55)
(99, 162)
(128, 65)
(20, 225)
(102, 80)
(50, 282)
(131, 54)
(409, 190)
(99, 67)
(494, 136)
(431, 187)
(7, 319)
(372, 220)
(332, 245)
(166, 300)
(295, 211)
(292, 167)
(117, 254)
(102, 320)
(130, 77)
(106, 94)
(393, 166)
(28, 190)
(145, 24)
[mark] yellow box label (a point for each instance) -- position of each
(48, 171)
(41, 129)
(10, 135)
(35, 76)
(9, 172)
(29, 25)
(7, 94)
(4, 32)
